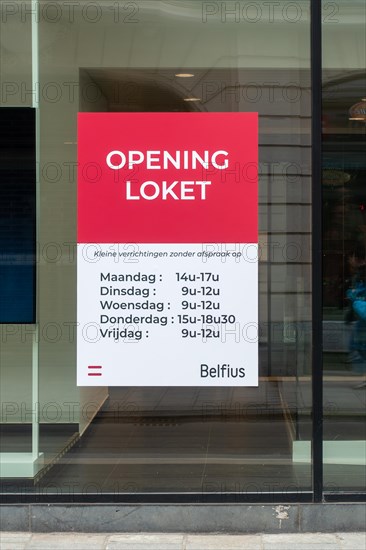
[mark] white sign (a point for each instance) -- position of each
(167, 250)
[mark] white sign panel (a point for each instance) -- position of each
(167, 250)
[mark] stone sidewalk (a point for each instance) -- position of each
(180, 541)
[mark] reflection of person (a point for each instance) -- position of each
(357, 297)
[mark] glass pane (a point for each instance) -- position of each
(344, 279)
(181, 439)
(19, 457)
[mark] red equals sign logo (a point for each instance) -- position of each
(94, 370)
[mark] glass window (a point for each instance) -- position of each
(344, 244)
(117, 57)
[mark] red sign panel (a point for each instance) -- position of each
(167, 178)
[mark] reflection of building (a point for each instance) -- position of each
(343, 179)
(247, 441)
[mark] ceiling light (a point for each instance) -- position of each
(358, 111)
(184, 75)
(192, 99)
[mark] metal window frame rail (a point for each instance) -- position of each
(317, 253)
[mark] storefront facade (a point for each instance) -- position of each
(297, 436)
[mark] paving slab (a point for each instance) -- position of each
(304, 541)
(14, 541)
(19, 537)
(301, 546)
(146, 542)
(66, 541)
(13, 546)
(352, 541)
(223, 542)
